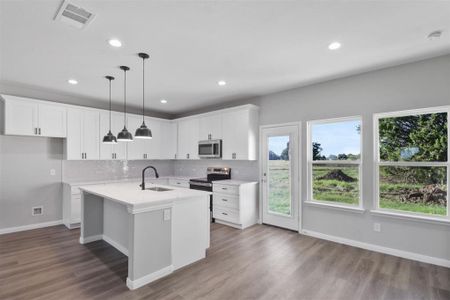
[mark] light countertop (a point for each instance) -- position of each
(131, 195)
(233, 182)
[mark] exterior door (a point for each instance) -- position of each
(280, 176)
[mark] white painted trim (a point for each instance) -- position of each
(381, 249)
(377, 163)
(261, 164)
(115, 244)
(355, 209)
(237, 226)
(310, 162)
(89, 239)
(30, 227)
(137, 283)
(410, 216)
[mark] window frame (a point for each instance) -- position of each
(310, 198)
(378, 163)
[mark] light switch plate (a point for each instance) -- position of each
(166, 214)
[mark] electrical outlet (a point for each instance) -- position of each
(377, 227)
(37, 211)
(166, 214)
(52, 172)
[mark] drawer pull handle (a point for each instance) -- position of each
(224, 200)
(225, 214)
(224, 189)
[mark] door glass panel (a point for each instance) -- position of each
(279, 175)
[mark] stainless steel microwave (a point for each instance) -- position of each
(210, 149)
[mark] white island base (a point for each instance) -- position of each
(158, 231)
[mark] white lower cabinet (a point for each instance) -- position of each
(235, 203)
(71, 206)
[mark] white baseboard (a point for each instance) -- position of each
(30, 227)
(115, 245)
(386, 250)
(92, 238)
(134, 284)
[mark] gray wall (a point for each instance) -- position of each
(415, 85)
(25, 179)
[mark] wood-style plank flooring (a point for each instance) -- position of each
(261, 262)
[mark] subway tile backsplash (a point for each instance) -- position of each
(240, 170)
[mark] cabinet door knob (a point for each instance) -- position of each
(187, 155)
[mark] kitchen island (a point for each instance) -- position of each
(160, 229)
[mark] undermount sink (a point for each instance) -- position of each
(158, 189)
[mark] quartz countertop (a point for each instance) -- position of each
(137, 200)
(232, 182)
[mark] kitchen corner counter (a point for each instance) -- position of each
(233, 182)
(137, 200)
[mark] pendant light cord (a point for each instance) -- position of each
(125, 98)
(109, 104)
(143, 88)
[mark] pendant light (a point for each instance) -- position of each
(109, 138)
(124, 135)
(143, 132)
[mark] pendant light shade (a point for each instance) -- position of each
(125, 135)
(143, 132)
(109, 138)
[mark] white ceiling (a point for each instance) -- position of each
(258, 47)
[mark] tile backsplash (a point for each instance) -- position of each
(82, 170)
(240, 170)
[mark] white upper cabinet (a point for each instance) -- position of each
(188, 137)
(138, 148)
(168, 140)
(112, 151)
(153, 150)
(210, 127)
(240, 134)
(83, 134)
(25, 116)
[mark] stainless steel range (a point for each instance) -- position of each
(205, 184)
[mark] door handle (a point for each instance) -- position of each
(39, 131)
(225, 200)
(225, 214)
(35, 131)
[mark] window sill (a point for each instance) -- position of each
(410, 217)
(354, 209)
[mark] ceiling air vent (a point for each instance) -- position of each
(74, 15)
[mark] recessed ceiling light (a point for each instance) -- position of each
(115, 43)
(435, 35)
(163, 101)
(221, 82)
(72, 81)
(334, 46)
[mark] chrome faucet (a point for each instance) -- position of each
(142, 185)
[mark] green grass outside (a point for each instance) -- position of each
(279, 187)
(389, 200)
(340, 191)
(335, 190)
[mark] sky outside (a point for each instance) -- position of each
(278, 143)
(337, 138)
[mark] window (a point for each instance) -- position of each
(412, 162)
(334, 161)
